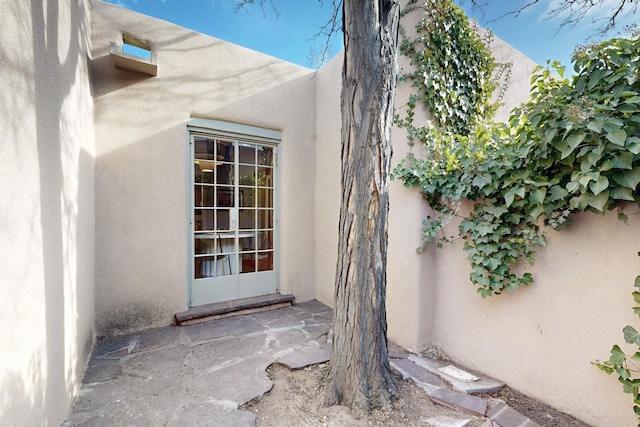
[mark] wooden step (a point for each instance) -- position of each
(238, 307)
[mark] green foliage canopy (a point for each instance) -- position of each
(573, 147)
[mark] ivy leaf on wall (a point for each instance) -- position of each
(630, 335)
(599, 186)
(617, 137)
(629, 179)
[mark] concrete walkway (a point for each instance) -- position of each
(198, 375)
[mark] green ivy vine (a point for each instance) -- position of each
(453, 70)
(573, 147)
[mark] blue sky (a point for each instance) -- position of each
(538, 34)
(289, 33)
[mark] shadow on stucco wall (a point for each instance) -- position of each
(51, 85)
(57, 50)
(25, 403)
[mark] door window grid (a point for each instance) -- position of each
(213, 166)
(255, 181)
(256, 191)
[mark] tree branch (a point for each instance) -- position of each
(329, 30)
(574, 11)
(242, 4)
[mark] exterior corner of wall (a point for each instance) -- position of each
(411, 292)
(328, 84)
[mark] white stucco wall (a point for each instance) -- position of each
(327, 177)
(542, 339)
(141, 169)
(47, 210)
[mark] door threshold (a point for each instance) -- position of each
(219, 310)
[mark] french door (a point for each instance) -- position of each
(233, 227)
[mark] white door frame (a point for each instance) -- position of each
(239, 133)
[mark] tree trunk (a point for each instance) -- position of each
(359, 372)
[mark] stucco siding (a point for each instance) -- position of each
(47, 211)
(327, 177)
(141, 170)
(542, 339)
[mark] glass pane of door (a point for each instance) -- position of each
(256, 207)
(233, 220)
(214, 208)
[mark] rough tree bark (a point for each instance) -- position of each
(359, 373)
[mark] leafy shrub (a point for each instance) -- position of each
(573, 147)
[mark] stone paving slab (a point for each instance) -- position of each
(174, 410)
(316, 332)
(502, 415)
(485, 385)
(315, 308)
(211, 414)
(100, 370)
(459, 401)
(494, 423)
(448, 422)
(396, 352)
(423, 371)
(156, 338)
(420, 376)
(233, 308)
(224, 328)
(307, 356)
(238, 383)
(115, 347)
(195, 375)
(198, 375)
(226, 351)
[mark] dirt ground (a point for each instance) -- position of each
(296, 400)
